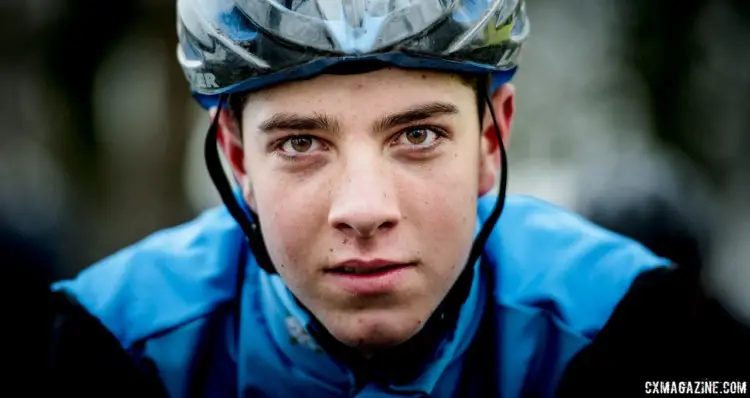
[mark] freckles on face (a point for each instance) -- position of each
(440, 203)
(292, 214)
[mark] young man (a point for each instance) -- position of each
(360, 256)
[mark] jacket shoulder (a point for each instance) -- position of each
(169, 278)
(552, 260)
(669, 312)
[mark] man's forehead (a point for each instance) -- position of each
(365, 98)
(391, 81)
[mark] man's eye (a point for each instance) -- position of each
(421, 137)
(299, 144)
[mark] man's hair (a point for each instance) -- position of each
(479, 83)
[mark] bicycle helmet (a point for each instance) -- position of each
(230, 46)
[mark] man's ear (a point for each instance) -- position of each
(503, 103)
(230, 142)
(229, 138)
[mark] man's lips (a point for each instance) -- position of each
(366, 267)
(369, 277)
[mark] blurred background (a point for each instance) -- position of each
(634, 113)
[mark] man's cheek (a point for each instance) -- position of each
(289, 235)
(451, 216)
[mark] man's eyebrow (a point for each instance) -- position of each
(296, 122)
(415, 114)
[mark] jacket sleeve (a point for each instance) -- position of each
(86, 358)
(665, 329)
(56, 347)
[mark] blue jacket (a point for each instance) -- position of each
(173, 298)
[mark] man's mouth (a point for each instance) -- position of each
(366, 267)
(369, 277)
(365, 271)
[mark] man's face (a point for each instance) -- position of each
(366, 188)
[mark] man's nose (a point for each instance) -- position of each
(365, 204)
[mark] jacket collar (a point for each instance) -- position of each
(288, 326)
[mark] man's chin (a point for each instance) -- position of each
(369, 335)
(371, 343)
